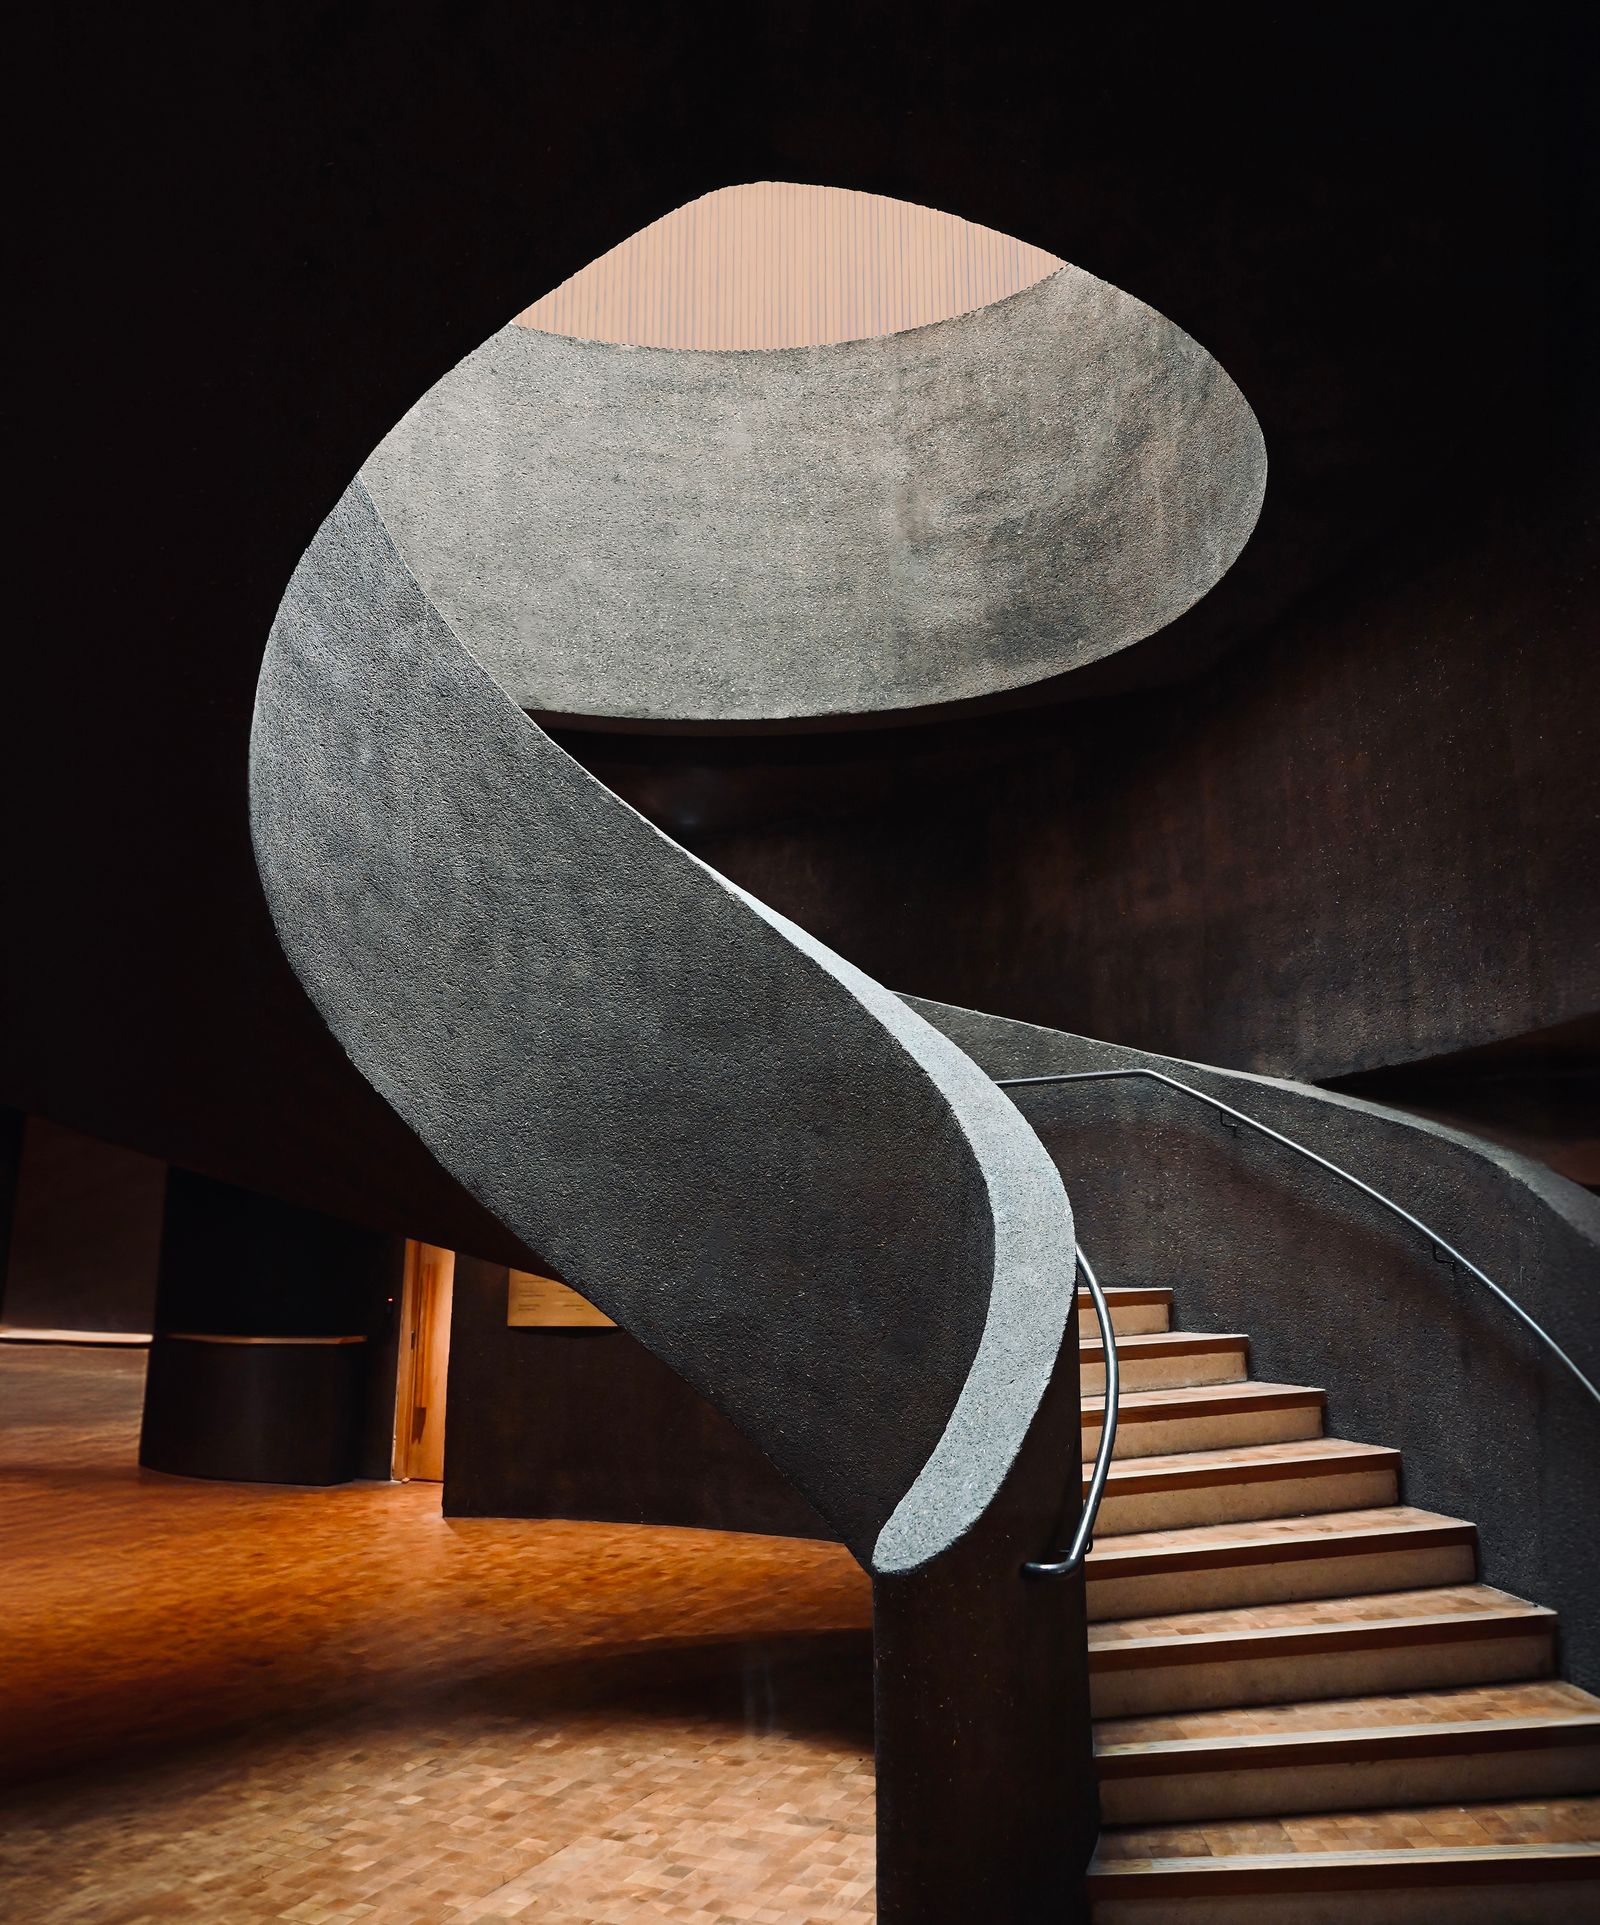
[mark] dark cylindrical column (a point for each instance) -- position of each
(273, 1359)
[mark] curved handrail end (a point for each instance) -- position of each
(1083, 1538)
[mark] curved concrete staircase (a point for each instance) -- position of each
(1307, 1707)
(808, 1196)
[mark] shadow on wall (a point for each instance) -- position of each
(1538, 1095)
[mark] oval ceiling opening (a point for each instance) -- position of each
(773, 264)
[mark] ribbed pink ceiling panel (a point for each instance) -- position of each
(776, 265)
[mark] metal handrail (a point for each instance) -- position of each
(1450, 1252)
(1083, 1538)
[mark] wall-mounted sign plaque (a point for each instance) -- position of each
(541, 1302)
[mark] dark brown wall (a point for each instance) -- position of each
(12, 1125)
(85, 1234)
(586, 1423)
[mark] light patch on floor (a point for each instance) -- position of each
(240, 1703)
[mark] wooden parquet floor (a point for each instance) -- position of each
(238, 1703)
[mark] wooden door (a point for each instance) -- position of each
(424, 1361)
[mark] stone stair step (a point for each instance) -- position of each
(1512, 1863)
(1389, 1642)
(1244, 1481)
(1204, 1417)
(1335, 1554)
(1484, 1742)
(1507, 1823)
(1166, 1360)
(1134, 1311)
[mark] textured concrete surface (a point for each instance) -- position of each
(872, 525)
(1334, 1292)
(783, 1183)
